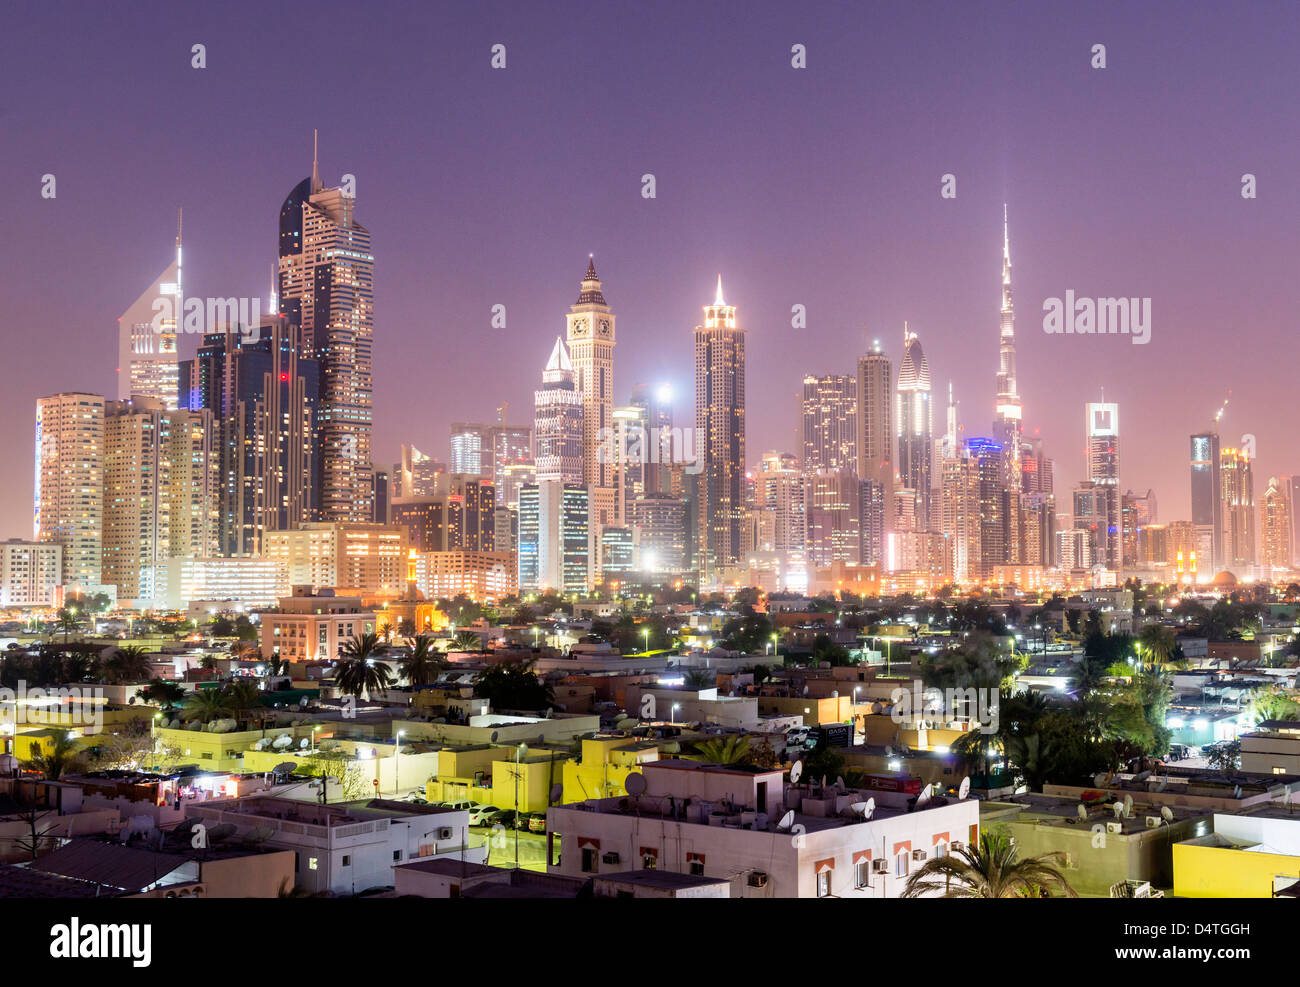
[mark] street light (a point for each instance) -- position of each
(397, 750)
(776, 645)
(646, 633)
(672, 715)
(314, 730)
(520, 751)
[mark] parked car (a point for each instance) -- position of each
(502, 817)
(537, 822)
(480, 814)
(463, 805)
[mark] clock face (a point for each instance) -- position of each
(579, 326)
(604, 327)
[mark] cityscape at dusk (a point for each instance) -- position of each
(703, 450)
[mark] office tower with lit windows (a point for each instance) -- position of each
(69, 490)
(988, 461)
(417, 475)
(471, 449)
(1102, 434)
(914, 416)
(960, 491)
(147, 361)
(662, 524)
(1237, 485)
(828, 418)
(1275, 526)
(361, 558)
(1137, 512)
(30, 573)
(264, 396)
(720, 436)
(875, 428)
(161, 496)
(1207, 501)
(779, 510)
(834, 502)
(326, 290)
(589, 331)
(558, 421)
(656, 411)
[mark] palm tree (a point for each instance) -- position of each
(466, 641)
(206, 705)
(67, 622)
(61, 758)
(245, 650)
(355, 672)
(242, 699)
(406, 628)
(699, 678)
(422, 665)
(722, 750)
(1157, 642)
(160, 693)
(128, 664)
(991, 871)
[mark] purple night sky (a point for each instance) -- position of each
(818, 187)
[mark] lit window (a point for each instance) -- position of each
(313, 863)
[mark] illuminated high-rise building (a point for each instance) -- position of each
(147, 362)
(828, 417)
(264, 397)
(915, 416)
(160, 496)
(875, 431)
(1102, 433)
(1238, 489)
(988, 459)
(1275, 525)
(69, 494)
(1007, 426)
(326, 289)
(720, 436)
(590, 336)
(558, 421)
(1207, 501)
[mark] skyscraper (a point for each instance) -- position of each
(146, 357)
(326, 288)
(915, 427)
(1238, 489)
(828, 414)
(988, 459)
(69, 494)
(590, 335)
(1102, 430)
(875, 438)
(1207, 501)
(160, 496)
(1007, 425)
(559, 421)
(720, 435)
(1276, 521)
(264, 397)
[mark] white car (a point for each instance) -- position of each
(478, 815)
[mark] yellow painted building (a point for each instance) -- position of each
(1214, 866)
(837, 709)
(223, 751)
(606, 763)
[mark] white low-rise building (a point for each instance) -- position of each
(768, 838)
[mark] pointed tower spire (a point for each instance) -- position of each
(591, 268)
(1006, 237)
(315, 171)
(180, 224)
(717, 298)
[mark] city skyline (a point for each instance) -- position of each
(892, 220)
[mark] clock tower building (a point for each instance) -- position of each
(590, 338)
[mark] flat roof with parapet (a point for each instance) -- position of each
(663, 879)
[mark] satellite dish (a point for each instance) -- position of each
(634, 784)
(557, 791)
(805, 690)
(964, 788)
(858, 808)
(924, 797)
(823, 781)
(870, 810)
(302, 744)
(786, 820)
(796, 772)
(284, 768)
(1118, 808)
(1167, 813)
(889, 751)
(222, 831)
(1142, 776)
(839, 782)
(877, 708)
(1082, 811)
(494, 735)
(1128, 806)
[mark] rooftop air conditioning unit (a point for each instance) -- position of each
(880, 866)
(445, 832)
(758, 879)
(918, 854)
(1153, 822)
(611, 857)
(956, 845)
(1114, 827)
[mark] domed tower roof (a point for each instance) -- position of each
(913, 372)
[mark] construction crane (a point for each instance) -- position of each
(1218, 415)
